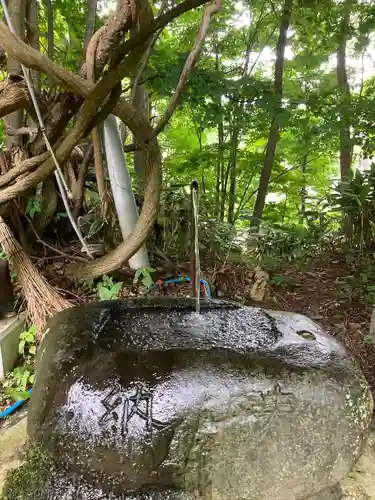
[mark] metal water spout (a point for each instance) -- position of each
(196, 260)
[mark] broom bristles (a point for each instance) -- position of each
(41, 298)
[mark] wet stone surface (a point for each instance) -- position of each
(143, 400)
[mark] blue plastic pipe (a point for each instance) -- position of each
(14, 407)
(207, 288)
(187, 280)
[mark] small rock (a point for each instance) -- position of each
(260, 290)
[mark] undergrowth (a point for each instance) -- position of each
(17, 381)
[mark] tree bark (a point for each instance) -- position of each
(96, 139)
(80, 185)
(274, 133)
(304, 188)
(219, 169)
(50, 35)
(49, 206)
(220, 137)
(233, 174)
(90, 23)
(50, 20)
(17, 13)
(141, 103)
(32, 33)
(345, 97)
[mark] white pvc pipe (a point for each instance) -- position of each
(121, 185)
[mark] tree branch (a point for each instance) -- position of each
(95, 95)
(145, 136)
(28, 131)
(211, 9)
(159, 23)
(33, 59)
(83, 119)
(25, 166)
(17, 14)
(113, 34)
(13, 97)
(146, 55)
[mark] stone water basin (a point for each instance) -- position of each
(146, 400)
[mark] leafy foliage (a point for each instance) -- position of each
(219, 133)
(354, 198)
(23, 375)
(144, 275)
(107, 289)
(34, 206)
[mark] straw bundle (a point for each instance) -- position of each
(41, 299)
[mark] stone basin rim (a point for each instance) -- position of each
(170, 302)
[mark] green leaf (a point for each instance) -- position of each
(147, 281)
(21, 347)
(34, 206)
(30, 338)
(16, 394)
(33, 329)
(104, 293)
(95, 227)
(106, 280)
(32, 349)
(137, 275)
(24, 380)
(116, 288)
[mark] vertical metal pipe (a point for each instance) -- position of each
(196, 260)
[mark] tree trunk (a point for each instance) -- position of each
(233, 173)
(100, 173)
(303, 171)
(224, 186)
(220, 136)
(219, 169)
(50, 20)
(345, 97)
(141, 103)
(17, 13)
(50, 37)
(274, 133)
(33, 36)
(90, 23)
(80, 185)
(49, 206)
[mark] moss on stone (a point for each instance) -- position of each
(28, 481)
